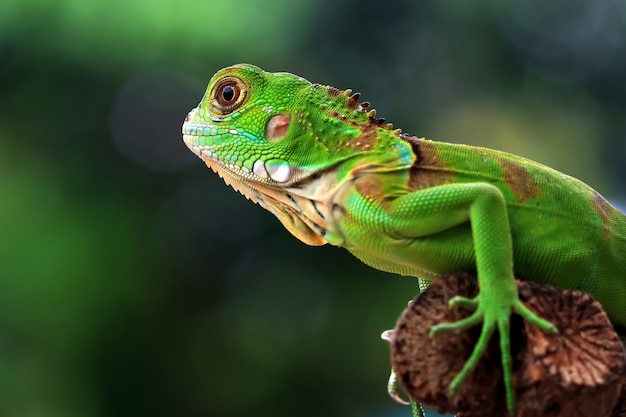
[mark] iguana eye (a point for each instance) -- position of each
(228, 95)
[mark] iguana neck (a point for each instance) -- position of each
(311, 207)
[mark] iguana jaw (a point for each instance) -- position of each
(296, 207)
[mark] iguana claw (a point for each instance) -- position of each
(392, 385)
(387, 335)
(393, 390)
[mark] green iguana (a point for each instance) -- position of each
(332, 172)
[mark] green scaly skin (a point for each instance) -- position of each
(333, 173)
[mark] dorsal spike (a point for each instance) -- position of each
(353, 100)
(365, 105)
(371, 114)
(397, 131)
(346, 92)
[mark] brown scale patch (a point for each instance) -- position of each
(365, 142)
(602, 207)
(428, 170)
(333, 92)
(371, 188)
(368, 138)
(604, 210)
(519, 180)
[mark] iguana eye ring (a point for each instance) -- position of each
(228, 95)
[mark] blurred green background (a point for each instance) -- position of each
(134, 283)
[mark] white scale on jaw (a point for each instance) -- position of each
(276, 169)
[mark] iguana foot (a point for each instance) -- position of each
(493, 312)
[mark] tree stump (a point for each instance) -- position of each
(577, 373)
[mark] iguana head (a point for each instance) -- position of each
(268, 134)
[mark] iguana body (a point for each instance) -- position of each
(333, 173)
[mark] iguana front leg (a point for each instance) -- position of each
(419, 216)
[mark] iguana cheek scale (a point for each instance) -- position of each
(332, 172)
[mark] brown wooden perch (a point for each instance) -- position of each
(620, 407)
(577, 373)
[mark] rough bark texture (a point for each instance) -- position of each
(620, 407)
(577, 373)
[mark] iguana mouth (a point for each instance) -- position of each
(189, 133)
(192, 132)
